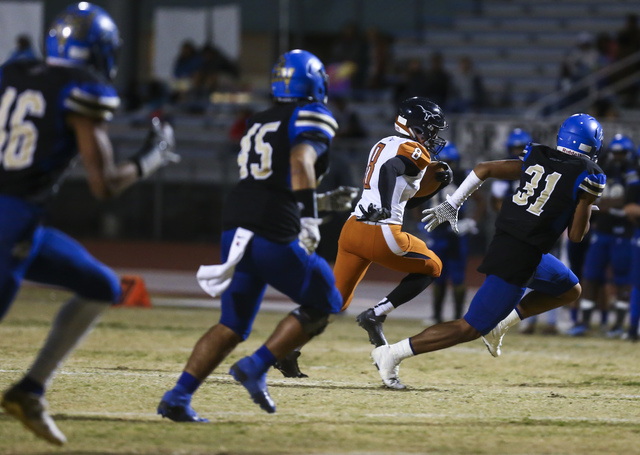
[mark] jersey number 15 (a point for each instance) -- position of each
(19, 135)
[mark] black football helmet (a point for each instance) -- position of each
(422, 119)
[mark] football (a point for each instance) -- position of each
(428, 184)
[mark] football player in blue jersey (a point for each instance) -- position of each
(270, 232)
(452, 248)
(50, 112)
(611, 239)
(557, 189)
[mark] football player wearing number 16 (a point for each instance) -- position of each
(49, 113)
(557, 189)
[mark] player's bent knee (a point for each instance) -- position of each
(313, 321)
(102, 286)
(572, 294)
(466, 331)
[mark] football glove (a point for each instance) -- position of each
(338, 200)
(309, 236)
(158, 149)
(373, 213)
(437, 215)
(444, 175)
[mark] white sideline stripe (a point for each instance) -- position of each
(448, 417)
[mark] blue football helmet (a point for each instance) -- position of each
(518, 138)
(299, 75)
(449, 153)
(581, 134)
(84, 35)
(621, 143)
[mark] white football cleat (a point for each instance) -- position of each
(31, 410)
(493, 339)
(387, 366)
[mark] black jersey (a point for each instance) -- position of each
(263, 200)
(622, 177)
(36, 145)
(546, 199)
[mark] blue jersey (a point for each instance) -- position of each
(36, 144)
(263, 200)
(622, 179)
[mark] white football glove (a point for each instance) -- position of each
(467, 226)
(158, 149)
(309, 236)
(338, 200)
(439, 214)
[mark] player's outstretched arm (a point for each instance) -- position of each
(303, 183)
(580, 223)
(108, 179)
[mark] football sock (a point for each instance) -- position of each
(512, 319)
(621, 312)
(587, 307)
(410, 286)
(439, 292)
(459, 294)
(574, 315)
(402, 349)
(187, 384)
(30, 386)
(634, 309)
(383, 307)
(604, 317)
(74, 320)
(263, 358)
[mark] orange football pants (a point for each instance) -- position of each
(361, 243)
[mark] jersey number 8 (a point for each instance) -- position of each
(22, 134)
(521, 197)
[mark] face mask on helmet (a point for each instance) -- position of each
(422, 119)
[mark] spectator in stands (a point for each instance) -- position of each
(349, 123)
(351, 46)
(628, 40)
(185, 67)
(412, 81)
(214, 65)
(379, 59)
(468, 88)
(580, 61)
(23, 50)
(438, 81)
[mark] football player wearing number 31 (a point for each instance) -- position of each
(557, 189)
(51, 112)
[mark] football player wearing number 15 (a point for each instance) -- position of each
(270, 232)
(49, 113)
(557, 189)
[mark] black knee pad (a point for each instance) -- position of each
(313, 321)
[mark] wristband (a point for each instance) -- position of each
(306, 200)
(466, 188)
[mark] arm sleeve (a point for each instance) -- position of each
(593, 184)
(313, 122)
(389, 172)
(92, 99)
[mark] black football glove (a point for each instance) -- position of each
(373, 213)
(444, 175)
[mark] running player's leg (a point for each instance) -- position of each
(239, 306)
(621, 255)
(61, 261)
(308, 281)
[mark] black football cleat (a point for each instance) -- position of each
(289, 366)
(373, 325)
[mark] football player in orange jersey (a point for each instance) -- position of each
(374, 233)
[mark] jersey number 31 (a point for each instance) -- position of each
(521, 197)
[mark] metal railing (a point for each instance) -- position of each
(589, 89)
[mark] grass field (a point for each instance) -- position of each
(546, 395)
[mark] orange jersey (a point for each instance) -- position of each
(405, 187)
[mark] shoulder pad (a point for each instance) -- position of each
(594, 184)
(315, 116)
(93, 99)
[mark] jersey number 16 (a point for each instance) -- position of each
(19, 135)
